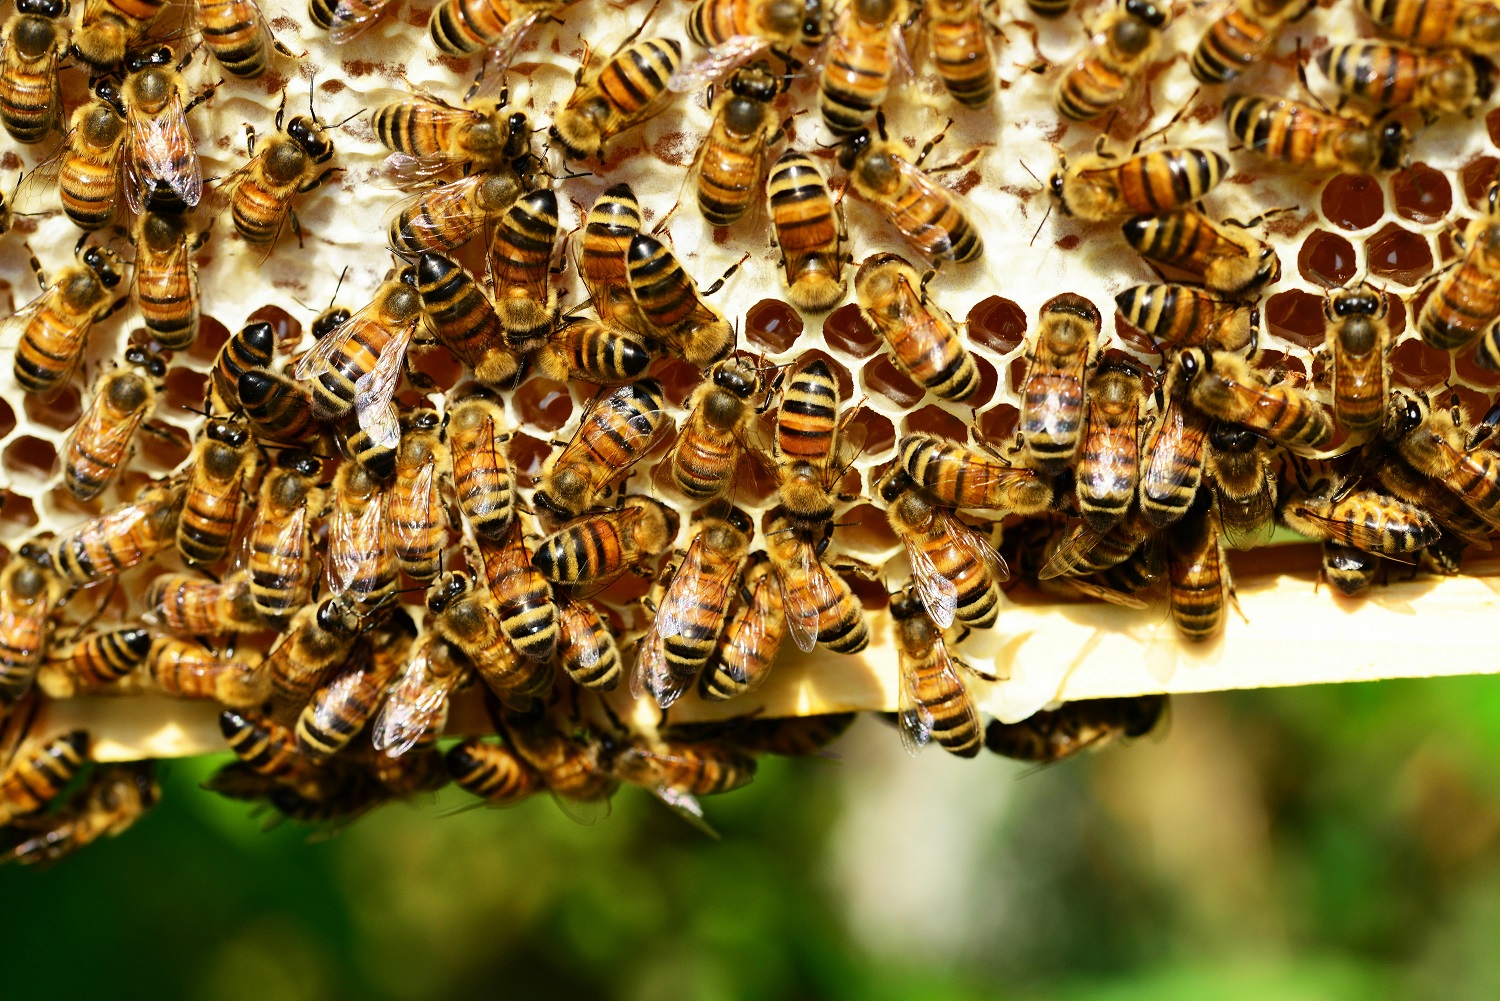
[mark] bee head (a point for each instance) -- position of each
(448, 588)
(893, 484)
(104, 264)
(225, 432)
(1055, 188)
(337, 615)
(852, 148)
(1145, 10)
(904, 605)
(155, 55)
(152, 362)
(46, 8)
(1359, 301)
(302, 463)
(1406, 413)
(1393, 140)
(106, 91)
(307, 134)
(1232, 438)
(735, 377)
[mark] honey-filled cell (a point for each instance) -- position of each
(773, 326)
(1421, 194)
(1326, 259)
(997, 323)
(1353, 201)
(846, 331)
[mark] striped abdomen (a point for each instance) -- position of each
(935, 686)
(1293, 132)
(714, 22)
(1174, 464)
(729, 174)
(1375, 523)
(1233, 43)
(494, 773)
(23, 641)
(280, 560)
(51, 344)
(961, 54)
(523, 597)
(265, 746)
(1108, 466)
(802, 211)
(1167, 179)
(978, 592)
(260, 206)
(167, 296)
(857, 75)
(632, 82)
(88, 187)
(101, 439)
(1475, 478)
(749, 644)
(586, 649)
(117, 540)
(932, 353)
(1466, 300)
(37, 776)
(343, 705)
(1181, 315)
(1052, 411)
(588, 550)
(1196, 573)
(29, 105)
(233, 32)
(462, 27)
(481, 479)
(667, 297)
(806, 422)
(416, 128)
(462, 318)
(930, 217)
(105, 658)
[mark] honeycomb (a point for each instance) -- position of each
(1395, 228)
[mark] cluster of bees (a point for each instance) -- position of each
(310, 494)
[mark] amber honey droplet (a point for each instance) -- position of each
(879, 433)
(1353, 201)
(7, 419)
(211, 337)
(936, 420)
(442, 368)
(1416, 364)
(1421, 194)
(1297, 316)
(1326, 259)
(29, 456)
(1477, 175)
(773, 325)
(60, 412)
(883, 377)
(527, 456)
(846, 331)
(544, 404)
(998, 425)
(185, 388)
(998, 324)
(18, 510)
(1398, 255)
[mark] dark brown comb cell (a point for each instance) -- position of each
(1353, 201)
(1421, 194)
(998, 324)
(1326, 259)
(1398, 255)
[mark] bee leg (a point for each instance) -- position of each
(583, 64)
(36, 268)
(296, 226)
(725, 276)
(926, 149)
(250, 140)
(205, 95)
(317, 182)
(283, 50)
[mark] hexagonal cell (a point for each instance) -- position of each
(1297, 316)
(29, 456)
(185, 388)
(678, 378)
(544, 404)
(935, 420)
(846, 331)
(1417, 364)
(7, 418)
(883, 377)
(989, 382)
(527, 456)
(998, 424)
(773, 325)
(59, 411)
(163, 448)
(845, 380)
(1477, 175)
(1277, 366)
(871, 593)
(1353, 201)
(17, 511)
(211, 337)
(439, 366)
(997, 323)
(1469, 371)
(864, 529)
(1326, 259)
(1421, 194)
(1396, 317)
(1398, 255)
(879, 432)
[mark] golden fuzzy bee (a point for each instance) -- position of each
(586, 649)
(752, 638)
(1238, 464)
(463, 319)
(120, 538)
(1188, 317)
(569, 765)
(678, 773)
(109, 28)
(414, 506)
(280, 536)
(818, 605)
(1241, 36)
(707, 452)
(1305, 136)
(1119, 53)
(955, 570)
(520, 265)
(164, 281)
(186, 669)
(190, 605)
(863, 48)
(1347, 569)
(522, 595)
(29, 591)
(927, 214)
(318, 637)
(162, 158)
(448, 216)
(100, 442)
(585, 349)
(417, 702)
(1172, 466)
(1056, 734)
(616, 430)
(1467, 298)
(1360, 519)
(959, 36)
(672, 307)
(112, 798)
(1197, 573)
(1088, 550)
(1224, 386)
(693, 610)
(1109, 459)
(277, 408)
(268, 749)
(1466, 24)
(346, 20)
(32, 42)
(809, 229)
(463, 27)
(481, 475)
(1436, 445)
(223, 461)
(100, 659)
(466, 615)
(613, 221)
(54, 327)
(923, 340)
(732, 158)
(737, 31)
(37, 774)
(493, 772)
(253, 346)
(361, 562)
(595, 549)
(235, 31)
(629, 88)
(291, 163)
(935, 705)
(1101, 186)
(1359, 344)
(1224, 255)
(814, 445)
(87, 166)
(1054, 391)
(1383, 75)
(350, 697)
(427, 136)
(964, 477)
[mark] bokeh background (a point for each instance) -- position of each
(1337, 843)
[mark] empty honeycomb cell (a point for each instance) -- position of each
(1421, 194)
(1419, 365)
(1398, 255)
(1477, 175)
(544, 404)
(211, 337)
(935, 420)
(30, 457)
(1282, 367)
(17, 512)
(883, 377)
(1353, 201)
(185, 388)
(287, 327)
(7, 418)
(997, 323)
(678, 379)
(864, 530)
(879, 433)
(527, 455)
(998, 424)
(1395, 316)
(1297, 316)
(773, 326)
(1326, 259)
(846, 331)
(59, 412)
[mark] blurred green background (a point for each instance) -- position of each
(1336, 842)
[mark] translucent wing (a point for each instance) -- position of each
(37, 191)
(404, 170)
(766, 624)
(319, 359)
(418, 700)
(587, 812)
(1252, 521)
(1072, 552)
(107, 440)
(937, 592)
(801, 609)
(923, 186)
(352, 544)
(338, 692)
(420, 488)
(686, 806)
(498, 58)
(352, 20)
(162, 149)
(374, 389)
(970, 539)
(849, 443)
(717, 63)
(1100, 592)
(15, 325)
(913, 720)
(451, 202)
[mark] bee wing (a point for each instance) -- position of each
(802, 611)
(415, 703)
(937, 592)
(374, 389)
(1254, 525)
(349, 538)
(913, 720)
(587, 812)
(504, 50)
(1089, 589)
(1071, 552)
(979, 546)
(349, 21)
(156, 143)
(326, 716)
(925, 187)
(421, 488)
(315, 362)
(37, 191)
(849, 444)
(14, 325)
(450, 202)
(686, 806)
(717, 63)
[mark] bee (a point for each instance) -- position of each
(120, 538)
(37, 775)
(737, 31)
(280, 536)
(346, 20)
(629, 88)
(223, 461)
(814, 445)
(818, 605)
(29, 591)
(253, 346)
(927, 214)
(586, 649)
(1443, 557)
(1347, 569)
(923, 340)
(955, 570)
(1393, 76)
(318, 637)
(463, 27)
(593, 352)
(959, 36)
(963, 477)
(1433, 442)
(1055, 734)
(568, 764)
(597, 548)
(427, 136)
(349, 698)
(414, 506)
(679, 772)
(440, 219)
(1109, 461)
(235, 32)
(101, 659)
(616, 430)
(268, 749)
(1465, 24)
(1304, 136)
(748, 646)
(1102, 185)
(1225, 256)
(707, 451)
(935, 704)
(164, 282)
(520, 261)
(1238, 464)
(54, 327)
(1119, 53)
(732, 159)
(463, 319)
(481, 474)
(100, 441)
(693, 609)
(186, 669)
(493, 772)
(671, 305)
(1054, 392)
(109, 28)
(1223, 385)
(809, 228)
(291, 163)
(862, 52)
(1241, 36)
(1397, 477)
(1088, 550)
(417, 703)
(1467, 298)
(277, 408)
(1361, 519)
(1188, 317)
(361, 561)
(112, 799)
(92, 159)
(471, 619)
(1359, 342)
(32, 42)
(190, 605)
(1198, 575)
(1173, 466)
(161, 153)
(612, 223)
(523, 597)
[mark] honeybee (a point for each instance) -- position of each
(730, 162)
(1433, 442)
(708, 448)
(1459, 524)
(1238, 464)
(280, 557)
(814, 445)
(586, 649)
(818, 605)
(463, 27)
(1362, 519)
(1304, 136)
(752, 638)
(235, 32)
(186, 669)
(523, 597)
(1347, 569)
(955, 570)
(737, 31)
(1245, 33)
(613, 221)
(1465, 24)
(32, 42)
(1055, 734)
(427, 136)
(964, 477)
(1197, 573)
(37, 774)
(346, 20)
(161, 154)
(924, 342)
(692, 610)
(443, 218)
(112, 798)
(678, 773)
(568, 764)
(253, 346)
(164, 282)
(268, 749)
(54, 327)
(1109, 461)
(597, 548)
(593, 352)
(1173, 466)
(629, 88)
(223, 461)
(463, 319)
(190, 605)
(671, 305)
(1188, 317)
(100, 659)
(109, 28)
(120, 538)
(1393, 76)
(100, 441)
(90, 162)
(1053, 393)
(277, 408)
(348, 699)
(1088, 550)
(863, 49)
(959, 36)
(1359, 343)
(1226, 257)
(291, 163)
(470, 618)
(1467, 298)
(493, 772)
(927, 214)
(935, 704)
(1102, 185)
(1223, 385)
(481, 474)
(318, 637)
(414, 506)
(809, 228)
(418, 700)
(1119, 53)
(361, 562)
(29, 591)
(520, 262)
(616, 430)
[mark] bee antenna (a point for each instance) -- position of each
(1028, 170)
(1045, 216)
